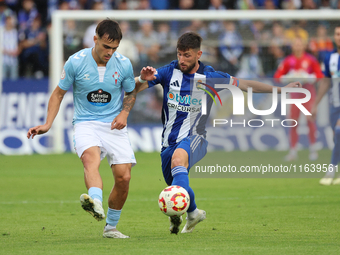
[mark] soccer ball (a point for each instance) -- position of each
(174, 201)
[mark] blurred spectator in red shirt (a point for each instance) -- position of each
(303, 67)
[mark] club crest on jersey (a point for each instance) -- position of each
(99, 97)
(116, 76)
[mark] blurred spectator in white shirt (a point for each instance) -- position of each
(72, 38)
(91, 30)
(10, 49)
(251, 64)
(147, 43)
(88, 36)
(126, 46)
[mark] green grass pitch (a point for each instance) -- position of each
(40, 211)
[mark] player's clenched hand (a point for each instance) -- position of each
(295, 84)
(38, 130)
(148, 73)
(120, 121)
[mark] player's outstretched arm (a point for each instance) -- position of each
(120, 121)
(260, 87)
(322, 90)
(52, 111)
(146, 74)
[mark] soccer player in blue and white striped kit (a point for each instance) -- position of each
(183, 137)
(332, 84)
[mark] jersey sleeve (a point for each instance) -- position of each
(326, 66)
(67, 76)
(218, 77)
(129, 81)
(160, 76)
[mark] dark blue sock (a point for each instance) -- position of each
(336, 150)
(192, 205)
(181, 178)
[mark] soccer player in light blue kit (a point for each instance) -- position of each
(332, 84)
(98, 76)
(183, 137)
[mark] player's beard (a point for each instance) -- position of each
(189, 68)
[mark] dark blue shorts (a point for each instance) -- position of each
(195, 146)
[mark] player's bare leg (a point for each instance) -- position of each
(91, 162)
(117, 198)
(119, 192)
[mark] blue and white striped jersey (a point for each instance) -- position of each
(332, 70)
(182, 101)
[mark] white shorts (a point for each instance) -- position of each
(114, 144)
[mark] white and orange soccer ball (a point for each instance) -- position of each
(174, 200)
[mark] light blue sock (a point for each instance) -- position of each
(97, 193)
(113, 217)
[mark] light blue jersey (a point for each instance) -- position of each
(97, 89)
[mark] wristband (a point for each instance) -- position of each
(140, 80)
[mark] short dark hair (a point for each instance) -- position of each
(189, 40)
(111, 28)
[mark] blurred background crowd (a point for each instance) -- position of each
(246, 49)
